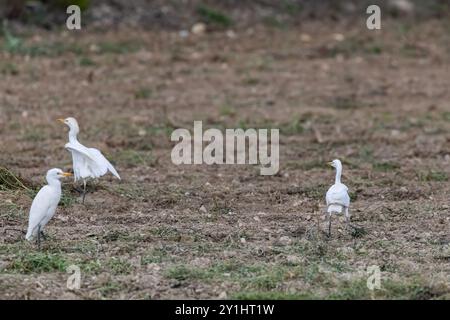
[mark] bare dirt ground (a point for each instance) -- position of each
(380, 101)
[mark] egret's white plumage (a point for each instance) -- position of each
(337, 197)
(87, 162)
(44, 204)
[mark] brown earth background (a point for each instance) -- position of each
(377, 100)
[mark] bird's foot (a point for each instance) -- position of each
(79, 190)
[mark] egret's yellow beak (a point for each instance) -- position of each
(330, 163)
(61, 120)
(66, 174)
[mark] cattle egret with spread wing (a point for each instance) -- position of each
(337, 196)
(44, 205)
(87, 162)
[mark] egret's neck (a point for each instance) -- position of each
(338, 174)
(53, 182)
(73, 135)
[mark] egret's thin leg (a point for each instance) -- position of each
(43, 235)
(347, 218)
(329, 225)
(84, 190)
(39, 237)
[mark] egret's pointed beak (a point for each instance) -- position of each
(61, 120)
(66, 174)
(330, 163)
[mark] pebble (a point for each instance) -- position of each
(198, 28)
(293, 259)
(285, 240)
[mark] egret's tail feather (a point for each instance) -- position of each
(113, 171)
(334, 208)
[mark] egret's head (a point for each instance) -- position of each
(71, 123)
(335, 163)
(57, 174)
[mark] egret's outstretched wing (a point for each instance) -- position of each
(84, 164)
(91, 160)
(39, 210)
(100, 159)
(81, 150)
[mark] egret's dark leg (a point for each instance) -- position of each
(77, 189)
(84, 190)
(39, 237)
(329, 224)
(43, 235)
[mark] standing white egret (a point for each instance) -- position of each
(87, 162)
(44, 205)
(337, 196)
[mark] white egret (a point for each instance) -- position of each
(87, 162)
(337, 196)
(44, 205)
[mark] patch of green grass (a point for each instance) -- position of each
(254, 277)
(85, 61)
(227, 110)
(119, 266)
(272, 295)
(351, 46)
(274, 21)
(345, 103)
(9, 210)
(315, 192)
(115, 235)
(119, 47)
(446, 116)
(220, 206)
(83, 4)
(182, 273)
(291, 7)
(414, 288)
(307, 165)
(411, 289)
(386, 166)
(110, 289)
(37, 262)
(432, 175)
(167, 233)
(135, 158)
(214, 16)
(9, 69)
(351, 290)
(250, 81)
(413, 51)
(156, 256)
(267, 279)
(52, 49)
(67, 199)
(294, 127)
(33, 135)
(366, 154)
(86, 246)
(143, 93)
(165, 129)
(132, 192)
(11, 43)
(91, 266)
